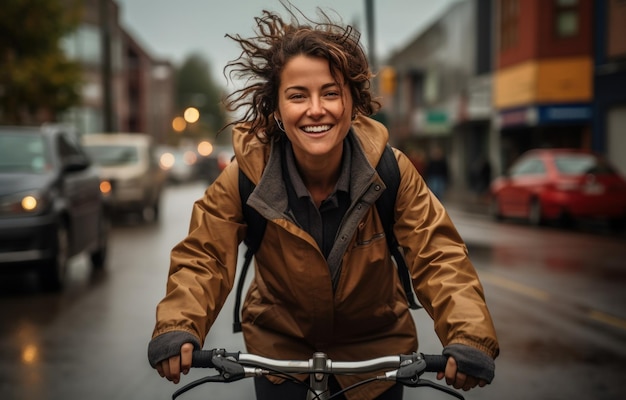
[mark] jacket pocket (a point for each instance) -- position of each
(367, 235)
(272, 318)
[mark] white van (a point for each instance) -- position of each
(131, 180)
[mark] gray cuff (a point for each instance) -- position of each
(471, 361)
(168, 344)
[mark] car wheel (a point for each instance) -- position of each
(98, 257)
(565, 220)
(494, 208)
(53, 271)
(535, 216)
(617, 225)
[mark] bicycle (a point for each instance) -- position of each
(233, 366)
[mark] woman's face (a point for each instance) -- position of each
(315, 111)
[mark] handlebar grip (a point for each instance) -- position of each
(202, 358)
(435, 362)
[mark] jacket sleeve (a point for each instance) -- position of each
(443, 276)
(203, 265)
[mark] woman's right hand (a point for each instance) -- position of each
(173, 366)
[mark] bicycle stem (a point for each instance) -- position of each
(319, 379)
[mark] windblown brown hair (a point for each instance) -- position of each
(277, 41)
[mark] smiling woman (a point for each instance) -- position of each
(324, 279)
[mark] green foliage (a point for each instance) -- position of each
(36, 78)
(195, 88)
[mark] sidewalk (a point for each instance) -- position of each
(467, 201)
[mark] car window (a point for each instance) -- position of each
(576, 164)
(22, 152)
(111, 155)
(530, 166)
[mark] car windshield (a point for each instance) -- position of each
(576, 164)
(110, 155)
(23, 152)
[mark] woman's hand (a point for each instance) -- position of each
(457, 379)
(173, 366)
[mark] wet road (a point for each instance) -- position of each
(557, 298)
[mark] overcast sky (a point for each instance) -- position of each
(173, 29)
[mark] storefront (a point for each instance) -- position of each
(554, 125)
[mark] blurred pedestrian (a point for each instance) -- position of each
(437, 175)
(481, 175)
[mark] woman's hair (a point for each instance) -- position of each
(277, 41)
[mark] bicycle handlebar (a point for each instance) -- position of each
(433, 362)
(404, 368)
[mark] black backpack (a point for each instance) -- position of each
(388, 169)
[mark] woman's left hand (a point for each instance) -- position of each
(457, 379)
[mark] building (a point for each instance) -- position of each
(125, 88)
(441, 95)
(543, 80)
(609, 81)
(491, 79)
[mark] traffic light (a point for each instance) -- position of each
(388, 80)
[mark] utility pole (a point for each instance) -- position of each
(106, 67)
(369, 21)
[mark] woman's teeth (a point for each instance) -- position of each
(316, 129)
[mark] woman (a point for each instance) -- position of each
(324, 280)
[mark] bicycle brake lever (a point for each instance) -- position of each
(409, 375)
(230, 371)
(198, 382)
(441, 388)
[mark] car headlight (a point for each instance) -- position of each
(105, 187)
(24, 203)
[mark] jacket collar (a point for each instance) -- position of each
(253, 156)
(262, 164)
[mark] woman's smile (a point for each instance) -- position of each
(314, 108)
(312, 129)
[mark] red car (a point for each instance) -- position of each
(560, 185)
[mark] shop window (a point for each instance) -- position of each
(567, 18)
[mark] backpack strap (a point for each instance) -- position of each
(389, 171)
(256, 229)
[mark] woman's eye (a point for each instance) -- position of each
(296, 96)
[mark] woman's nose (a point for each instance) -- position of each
(316, 108)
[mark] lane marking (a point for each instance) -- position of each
(515, 287)
(542, 295)
(607, 319)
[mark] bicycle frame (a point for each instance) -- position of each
(404, 369)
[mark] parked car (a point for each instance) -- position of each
(561, 185)
(129, 170)
(51, 208)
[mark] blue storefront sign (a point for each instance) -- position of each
(564, 114)
(546, 115)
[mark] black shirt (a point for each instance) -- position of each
(321, 223)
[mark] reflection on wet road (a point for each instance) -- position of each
(557, 298)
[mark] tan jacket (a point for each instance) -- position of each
(291, 309)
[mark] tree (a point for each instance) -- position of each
(37, 81)
(195, 88)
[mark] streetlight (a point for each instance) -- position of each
(179, 124)
(191, 115)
